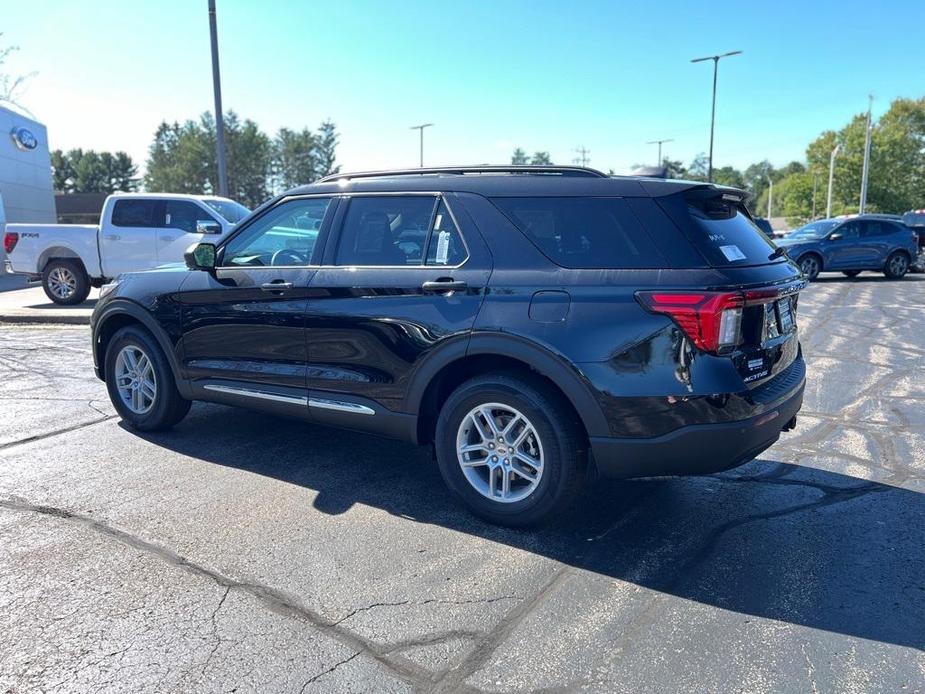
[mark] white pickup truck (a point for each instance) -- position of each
(137, 231)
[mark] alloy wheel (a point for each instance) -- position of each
(135, 379)
(898, 265)
(809, 267)
(500, 452)
(62, 283)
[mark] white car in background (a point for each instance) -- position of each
(137, 231)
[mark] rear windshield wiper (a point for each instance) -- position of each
(778, 252)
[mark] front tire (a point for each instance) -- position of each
(140, 382)
(811, 266)
(65, 281)
(510, 449)
(897, 265)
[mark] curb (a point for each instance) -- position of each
(44, 319)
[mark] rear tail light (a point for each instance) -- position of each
(711, 320)
(10, 239)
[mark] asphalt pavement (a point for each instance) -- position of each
(243, 552)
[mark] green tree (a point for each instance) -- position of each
(728, 176)
(79, 171)
(541, 159)
(326, 142)
(293, 159)
(675, 168)
(519, 158)
(699, 168)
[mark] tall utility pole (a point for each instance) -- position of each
(582, 158)
(770, 196)
(421, 128)
(815, 180)
(715, 59)
(866, 170)
(659, 143)
(219, 120)
(828, 202)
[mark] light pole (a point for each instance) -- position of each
(828, 201)
(659, 143)
(715, 59)
(770, 196)
(815, 181)
(421, 128)
(865, 171)
(219, 120)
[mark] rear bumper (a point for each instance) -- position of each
(699, 448)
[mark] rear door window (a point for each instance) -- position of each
(584, 232)
(388, 230)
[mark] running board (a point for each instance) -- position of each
(302, 401)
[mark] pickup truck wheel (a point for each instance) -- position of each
(65, 282)
(140, 382)
(509, 449)
(896, 265)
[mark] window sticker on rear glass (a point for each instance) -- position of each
(732, 252)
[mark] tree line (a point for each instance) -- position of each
(182, 159)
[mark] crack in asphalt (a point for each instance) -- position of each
(429, 601)
(328, 671)
(57, 432)
(273, 599)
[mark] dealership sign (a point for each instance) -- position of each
(24, 139)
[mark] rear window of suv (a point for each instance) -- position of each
(584, 232)
(719, 229)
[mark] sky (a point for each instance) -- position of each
(490, 74)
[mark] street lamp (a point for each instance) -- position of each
(770, 196)
(659, 143)
(421, 128)
(219, 120)
(828, 202)
(715, 59)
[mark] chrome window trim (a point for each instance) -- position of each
(340, 406)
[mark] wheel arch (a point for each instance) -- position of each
(59, 253)
(123, 313)
(446, 369)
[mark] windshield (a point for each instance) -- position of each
(814, 230)
(230, 210)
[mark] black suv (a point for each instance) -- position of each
(536, 325)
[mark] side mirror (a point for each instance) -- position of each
(834, 236)
(200, 256)
(208, 226)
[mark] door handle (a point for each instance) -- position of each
(276, 286)
(113, 237)
(444, 284)
(165, 239)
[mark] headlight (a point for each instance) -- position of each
(108, 288)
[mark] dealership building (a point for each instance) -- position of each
(26, 190)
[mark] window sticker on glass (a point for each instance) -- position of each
(443, 247)
(732, 252)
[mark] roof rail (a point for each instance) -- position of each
(579, 171)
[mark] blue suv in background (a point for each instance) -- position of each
(852, 245)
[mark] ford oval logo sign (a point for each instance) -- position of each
(24, 139)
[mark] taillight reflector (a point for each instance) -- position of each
(10, 239)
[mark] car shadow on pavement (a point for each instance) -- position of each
(773, 540)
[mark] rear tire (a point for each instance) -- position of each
(544, 466)
(811, 266)
(65, 281)
(140, 381)
(897, 265)
(851, 273)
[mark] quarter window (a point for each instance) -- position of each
(385, 230)
(136, 213)
(584, 232)
(446, 244)
(286, 235)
